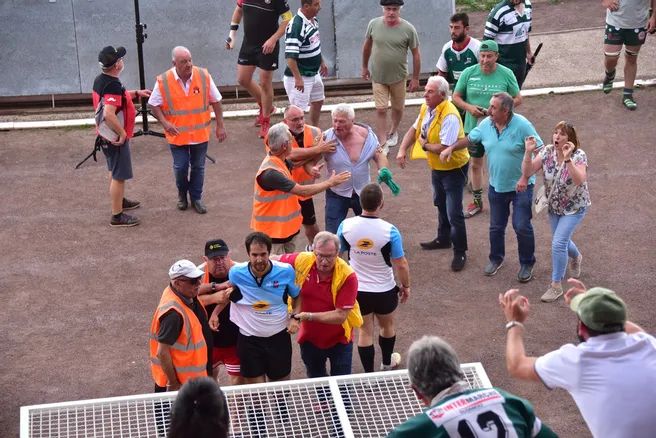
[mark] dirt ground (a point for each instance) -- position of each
(78, 296)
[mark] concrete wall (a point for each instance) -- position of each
(51, 46)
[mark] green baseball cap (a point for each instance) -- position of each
(489, 46)
(599, 309)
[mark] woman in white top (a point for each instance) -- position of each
(565, 174)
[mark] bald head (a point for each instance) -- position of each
(294, 118)
(181, 58)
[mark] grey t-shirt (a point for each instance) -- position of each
(632, 14)
(389, 53)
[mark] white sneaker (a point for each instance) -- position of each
(393, 139)
(394, 363)
(575, 266)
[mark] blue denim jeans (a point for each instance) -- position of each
(337, 208)
(448, 186)
(521, 222)
(562, 228)
(315, 358)
(185, 157)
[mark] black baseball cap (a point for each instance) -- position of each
(391, 2)
(109, 55)
(216, 248)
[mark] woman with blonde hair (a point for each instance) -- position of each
(565, 167)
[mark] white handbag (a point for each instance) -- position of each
(541, 199)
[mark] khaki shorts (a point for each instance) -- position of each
(284, 248)
(394, 93)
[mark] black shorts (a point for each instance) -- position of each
(271, 356)
(252, 55)
(629, 37)
(380, 303)
(118, 159)
(307, 211)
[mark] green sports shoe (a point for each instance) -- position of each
(607, 85)
(629, 103)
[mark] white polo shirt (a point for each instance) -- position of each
(612, 379)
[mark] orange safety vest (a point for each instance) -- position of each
(299, 174)
(189, 113)
(275, 212)
(189, 353)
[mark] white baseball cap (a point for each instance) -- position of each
(185, 268)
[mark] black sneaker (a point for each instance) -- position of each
(492, 268)
(182, 202)
(199, 206)
(458, 262)
(525, 273)
(124, 220)
(435, 244)
(130, 205)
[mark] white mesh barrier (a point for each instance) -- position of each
(359, 405)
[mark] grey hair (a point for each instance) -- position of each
(278, 135)
(324, 237)
(178, 48)
(441, 84)
(433, 366)
(505, 100)
(345, 109)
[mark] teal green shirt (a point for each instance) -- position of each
(505, 150)
(476, 413)
(477, 88)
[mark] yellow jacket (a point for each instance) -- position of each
(458, 158)
(303, 264)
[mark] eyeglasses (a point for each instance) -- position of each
(190, 280)
(326, 257)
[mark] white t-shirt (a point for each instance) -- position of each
(612, 379)
(372, 243)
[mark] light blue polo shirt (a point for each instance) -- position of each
(260, 308)
(505, 150)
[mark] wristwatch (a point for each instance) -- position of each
(512, 324)
(213, 287)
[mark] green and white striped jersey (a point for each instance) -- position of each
(453, 62)
(480, 413)
(510, 30)
(303, 44)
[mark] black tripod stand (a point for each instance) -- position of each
(143, 110)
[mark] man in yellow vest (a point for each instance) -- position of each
(438, 126)
(276, 211)
(307, 146)
(329, 288)
(181, 101)
(180, 336)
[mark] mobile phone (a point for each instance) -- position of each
(481, 109)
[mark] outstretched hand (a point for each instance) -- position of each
(515, 306)
(577, 288)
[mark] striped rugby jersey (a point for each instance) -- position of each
(510, 30)
(303, 44)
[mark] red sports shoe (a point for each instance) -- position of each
(264, 126)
